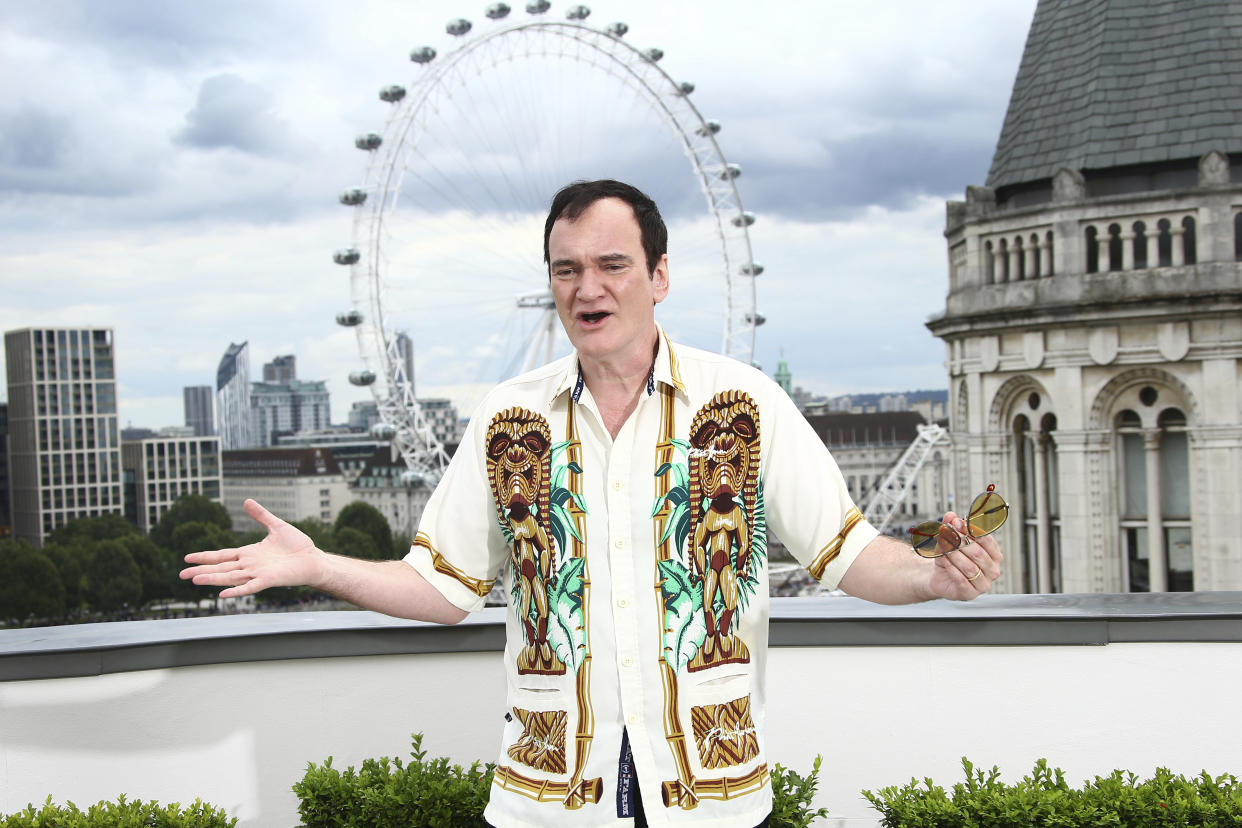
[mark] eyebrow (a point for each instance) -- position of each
(607, 257)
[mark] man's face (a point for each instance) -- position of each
(604, 294)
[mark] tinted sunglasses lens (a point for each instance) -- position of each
(926, 539)
(987, 514)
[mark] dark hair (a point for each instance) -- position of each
(573, 200)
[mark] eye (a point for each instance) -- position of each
(498, 446)
(744, 427)
(704, 435)
(534, 443)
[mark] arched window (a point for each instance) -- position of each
(1019, 258)
(1093, 249)
(1164, 243)
(989, 264)
(1155, 495)
(1237, 237)
(1188, 241)
(1051, 260)
(1003, 276)
(1036, 268)
(1114, 247)
(1140, 245)
(1038, 495)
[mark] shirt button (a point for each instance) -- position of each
(617, 485)
(627, 661)
(623, 602)
(633, 718)
(620, 544)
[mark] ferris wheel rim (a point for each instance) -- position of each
(398, 406)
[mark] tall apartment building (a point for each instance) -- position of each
(441, 415)
(233, 398)
(166, 467)
(281, 369)
(199, 409)
(287, 408)
(6, 522)
(405, 350)
(64, 443)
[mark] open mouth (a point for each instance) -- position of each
(594, 317)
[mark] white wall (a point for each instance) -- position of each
(239, 735)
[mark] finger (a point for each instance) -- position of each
(263, 516)
(228, 578)
(212, 556)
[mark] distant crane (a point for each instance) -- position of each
(892, 492)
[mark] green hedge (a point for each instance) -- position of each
(431, 793)
(120, 814)
(1043, 798)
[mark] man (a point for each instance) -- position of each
(629, 487)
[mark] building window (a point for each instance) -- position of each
(1038, 497)
(1189, 255)
(1155, 497)
(1140, 245)
(1237, 237)
(1093, 249)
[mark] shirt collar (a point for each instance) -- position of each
(663, 370)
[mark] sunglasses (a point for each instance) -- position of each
(987, 514)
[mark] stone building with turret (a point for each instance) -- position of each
(1094, 318)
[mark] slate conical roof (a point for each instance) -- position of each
(1107, 83)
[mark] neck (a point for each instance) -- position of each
(623, 374)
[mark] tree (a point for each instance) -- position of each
(196, 536)
(356, 544)
(103, 527)
(367, 519)
(71, 561)
(156, 566)
(112, 579)
(29, 583)
(190, 508)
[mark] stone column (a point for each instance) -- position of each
(1043, 524)
(1106, 250)
(1179, 252)
(1153, 247)
(1158, 564)
(1045, 257)
(1028, 252)
(1127, 251)
(1014, 253)
(998, 265)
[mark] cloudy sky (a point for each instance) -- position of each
(171, 171)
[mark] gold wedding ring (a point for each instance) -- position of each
(978, 572)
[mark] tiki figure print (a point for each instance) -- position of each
(518, 467)
(724, 471)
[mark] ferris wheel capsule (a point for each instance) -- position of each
(350, 318)
(383, 431)
(498, 11)
(751, 269)
(347, 256)
(578, 12)
(744, 219)
(458, 27)
(685, 88)
(393, 93)
(755, 319)
(708, 128)
(353, 197)
(426, 54)
(362, 378)
(617, 29)
(653, 54)
(368, 141)
(731, 171)
(537, 6)
(412, 478)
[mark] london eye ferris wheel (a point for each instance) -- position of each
(448, 220)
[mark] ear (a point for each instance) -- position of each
(659, 280)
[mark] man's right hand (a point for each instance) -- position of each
(286, 557)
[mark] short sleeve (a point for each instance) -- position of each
(459, 548)
(805, 498)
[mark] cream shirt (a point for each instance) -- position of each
(637, 582)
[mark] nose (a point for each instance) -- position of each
(590, 284)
